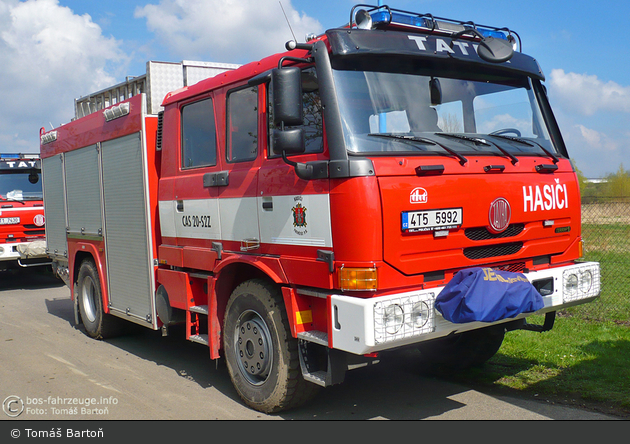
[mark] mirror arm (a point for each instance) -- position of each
(293, 59)
(302, 170)
(286, 159)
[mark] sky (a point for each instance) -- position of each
(53, 51)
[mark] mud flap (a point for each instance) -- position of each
(487, 295)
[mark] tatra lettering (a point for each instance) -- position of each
(462, 46)
(441, 46)
(419, 41)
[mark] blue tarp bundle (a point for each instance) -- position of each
(487, 295)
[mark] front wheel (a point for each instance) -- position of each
(261, 355)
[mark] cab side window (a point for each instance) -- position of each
(199, 144)
(242, 125)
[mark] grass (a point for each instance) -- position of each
(585, 359)
(578, 362)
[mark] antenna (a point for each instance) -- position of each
(287, 19)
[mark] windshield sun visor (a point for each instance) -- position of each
(376, 43)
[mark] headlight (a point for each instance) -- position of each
(571, 284)
(420, 314)
(403, 316)
(586, 281)
(580, 282)
(393, 318)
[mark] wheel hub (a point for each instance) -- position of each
(253, 347)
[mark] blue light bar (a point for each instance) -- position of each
(428, 22)
(9, 156)
(383, 17)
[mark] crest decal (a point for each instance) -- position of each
(299, 216)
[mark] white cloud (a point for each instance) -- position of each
(587, 94)
(48, 57)
(230, 31)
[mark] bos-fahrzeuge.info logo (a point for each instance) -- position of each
(13, 406)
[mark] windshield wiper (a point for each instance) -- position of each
(408, 139)
(484, 142)
(11, 200)
(530, 143)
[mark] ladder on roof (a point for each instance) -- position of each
(110, 96)
(160, 78)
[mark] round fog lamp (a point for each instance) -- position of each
(571, 284)
(393, 318)
(586, 281)
(420, 314)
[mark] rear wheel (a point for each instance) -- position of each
(97, 323)
(261, 355)
(463, 350)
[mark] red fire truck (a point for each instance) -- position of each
(22, 232)
(397, 182)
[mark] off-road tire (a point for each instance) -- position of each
(97, 323)
(463, 350)
(261, 355)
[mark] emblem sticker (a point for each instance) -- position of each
(299, 218)
(418, 195)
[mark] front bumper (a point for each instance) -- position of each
(363, 326)
(16, 251)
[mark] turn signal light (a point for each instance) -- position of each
(357, 279)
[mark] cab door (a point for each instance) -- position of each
(189, 208)
(238, 196)
(294, 214)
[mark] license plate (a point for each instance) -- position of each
(431, 220)
(9, 220)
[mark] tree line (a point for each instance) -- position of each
(613, 186)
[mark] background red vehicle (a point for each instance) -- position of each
(398, 183)
(22, 222)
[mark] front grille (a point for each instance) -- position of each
(518, 267)
(34, 232)
(482, 233)
(493, 250)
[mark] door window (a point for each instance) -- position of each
(242, 125)
(199, 145)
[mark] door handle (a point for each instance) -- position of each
(220, 179)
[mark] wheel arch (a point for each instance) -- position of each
(229, 276)
(89, 251)
(232, 274)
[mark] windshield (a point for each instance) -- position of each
(20, 186)
(390, 113)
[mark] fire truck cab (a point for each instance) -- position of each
(398, 182)
(22, 232)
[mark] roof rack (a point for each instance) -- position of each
(159, 79)
(383, 16)
(18, 156)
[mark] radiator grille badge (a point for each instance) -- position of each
(499, 215)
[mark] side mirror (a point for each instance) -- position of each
(289, 141)
(436, 91)
(286, 84)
